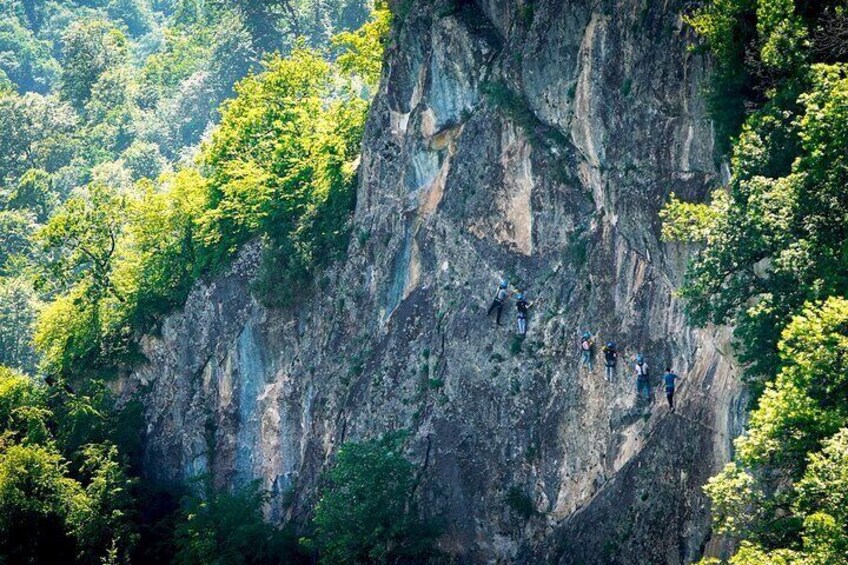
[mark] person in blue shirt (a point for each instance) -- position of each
(669, 379)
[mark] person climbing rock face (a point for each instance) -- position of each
(523, 308)
(498, 303)
(587, 346)
(610, 359)
(643, 385)
(669, 379)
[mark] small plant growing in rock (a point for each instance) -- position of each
(626, 87)
(435, 384)
(527, 13)
(520, 503)
(514, 386)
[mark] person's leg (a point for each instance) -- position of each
(500, 311)
(584, 358)
(492, 307)
(670, 395)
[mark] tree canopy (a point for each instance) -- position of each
(772, 257)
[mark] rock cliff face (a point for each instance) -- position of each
(533, 141)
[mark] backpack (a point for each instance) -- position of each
(642, 370)
(585, 344)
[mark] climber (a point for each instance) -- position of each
(498, 303)
(610, 359)
(669, 379)
(523, 307)
(587, 346)
(642, 383)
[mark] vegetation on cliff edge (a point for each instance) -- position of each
(772, 261)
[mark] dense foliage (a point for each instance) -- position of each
(65, 493)
(100, 98)
(367, 513)
(142, 143)
(280, 166)
(773, 260)
(224, 528)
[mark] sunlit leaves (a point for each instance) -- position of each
(688, 222)
(90, 49)
(361, 50)
(787, 485)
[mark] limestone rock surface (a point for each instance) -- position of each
(535, 141)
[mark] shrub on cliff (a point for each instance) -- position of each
(772, 262)
(367, 513)
(228, 528)
(280, 167)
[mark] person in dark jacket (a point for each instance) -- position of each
(523, 308)
(610, 359)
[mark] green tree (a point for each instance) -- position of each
(24, 413)
(224, 528)
(25, 59)
(294, 182)
(16, 229)
(361, 50)
(143, 160)
(82, 326)
(34, 192)
(110, 111)
(367, 512)
(18, 305)
(90, 49)
(183, 53)
(761, 496)
(52, 507)
(34, 134)
(104, 525)
(36, 498)
(80, 240)
(135, 14)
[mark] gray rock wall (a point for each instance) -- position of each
(534, 141)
